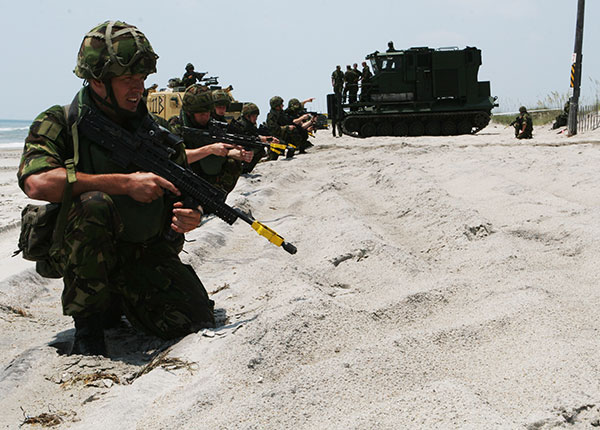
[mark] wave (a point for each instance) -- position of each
(11, 145)
(13, 128)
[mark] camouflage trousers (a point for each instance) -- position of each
(154, 289)
(525, 134)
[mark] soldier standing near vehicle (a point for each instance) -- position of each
(337, 82)
(246, 126)
(352, 77)
(365, 78)
(219, 163)
(190, 77)
(114, 257)
(347, 74)
(523, 124)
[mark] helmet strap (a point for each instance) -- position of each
(110, 101)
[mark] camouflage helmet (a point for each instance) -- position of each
(522, 109)
(294, 104)
(114, 48)
(275, 101)
(250, 109)
(221, 98)
(197, 99)
(189, 66)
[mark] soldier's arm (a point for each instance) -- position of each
(42, 174)
(219, 149)
(141, 186)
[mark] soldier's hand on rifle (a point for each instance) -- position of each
(185, 220)
(220, 149)
(240, 154)
(268, 139)
(145, 187)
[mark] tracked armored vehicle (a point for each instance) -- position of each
(418, 91)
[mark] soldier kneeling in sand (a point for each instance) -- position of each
(523, 124)
(115, 257)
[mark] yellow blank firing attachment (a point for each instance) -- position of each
(273, 237)
(275, 146)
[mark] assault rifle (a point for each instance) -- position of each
(149, 149)
(320, 120)
(199, 137)
(211, 80)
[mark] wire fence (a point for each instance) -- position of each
(588, 118)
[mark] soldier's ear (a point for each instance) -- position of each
(98, 87)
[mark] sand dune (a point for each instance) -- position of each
(440, 283)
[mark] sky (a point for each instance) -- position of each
(267, 47)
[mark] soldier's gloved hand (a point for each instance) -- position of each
(185, 220)
(145, 186)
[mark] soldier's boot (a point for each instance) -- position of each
(305, 145)
(89, 336)
(111, 318)
(290, 153)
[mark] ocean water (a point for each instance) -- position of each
(13, 133)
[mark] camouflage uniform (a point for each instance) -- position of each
(114, 257)
(337, 79)
(190, 77)
(245, 127)
(524, 119)
(365, 83)
(563, 118)
(351, 77)
(222, 172)
(296, 110)
(278, 123)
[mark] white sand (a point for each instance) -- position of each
(440, 283)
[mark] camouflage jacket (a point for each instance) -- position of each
(50, 144)
(191, 78)
(524, 119)
(366, 75)
(242, 126)
(277, 122)
(338, 78)
(223, 172)
(351, 77)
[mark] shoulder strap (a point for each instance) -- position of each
(70, 164)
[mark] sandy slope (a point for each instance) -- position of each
(439, 283)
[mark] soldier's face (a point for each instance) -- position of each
(220, 110)
(201, 117)
(128, 90)
(253, 118)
